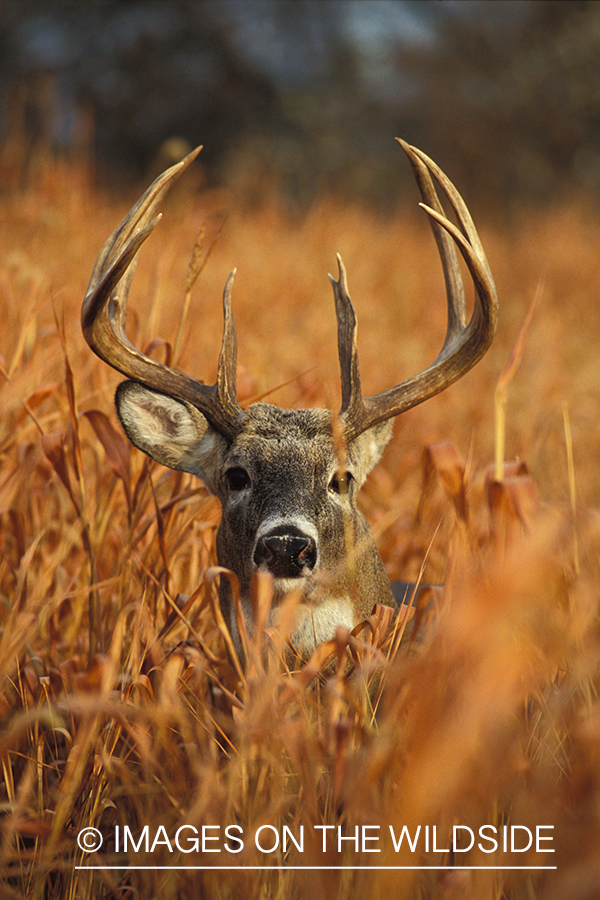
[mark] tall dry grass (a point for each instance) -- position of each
(119, 706)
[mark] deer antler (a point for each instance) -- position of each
(104, 312)
(464, 344)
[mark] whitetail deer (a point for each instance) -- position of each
(287, 479)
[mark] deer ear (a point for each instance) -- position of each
(171, 431)
(364, 452)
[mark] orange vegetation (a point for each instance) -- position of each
(118, 705)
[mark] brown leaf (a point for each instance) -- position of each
(445, 462)
(36, 398)
(53, 447)
(17, 530)
(115, 446)
(513, 503)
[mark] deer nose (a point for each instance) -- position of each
(286, 555)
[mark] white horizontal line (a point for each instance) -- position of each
(315, 868)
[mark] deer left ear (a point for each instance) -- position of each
(364, 452)
(172, 432)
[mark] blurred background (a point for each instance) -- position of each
(308, 94)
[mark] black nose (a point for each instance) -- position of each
(286, 554)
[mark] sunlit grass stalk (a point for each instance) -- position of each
(571, 476)
(195, 269)
(506, 376)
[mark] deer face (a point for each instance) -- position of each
(288, 506)
(289, 501)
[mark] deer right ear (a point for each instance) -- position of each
(171, 431)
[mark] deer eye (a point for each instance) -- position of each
(340, 483)
(237, 478)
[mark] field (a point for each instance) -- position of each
(119, 707)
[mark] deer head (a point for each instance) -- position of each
(287, 479)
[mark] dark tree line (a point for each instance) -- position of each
(311, 92)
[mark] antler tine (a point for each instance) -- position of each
(458, 204)
(227, 368)
(455, 291)
(104, 313)
(464, 344)
(347, 346)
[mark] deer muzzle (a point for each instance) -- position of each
(286, 552)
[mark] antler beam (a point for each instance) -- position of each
(104, 313)
(464, 344)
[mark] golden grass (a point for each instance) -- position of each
(118, 705)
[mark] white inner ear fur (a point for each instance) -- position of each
(172, 432)
(365, 451)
